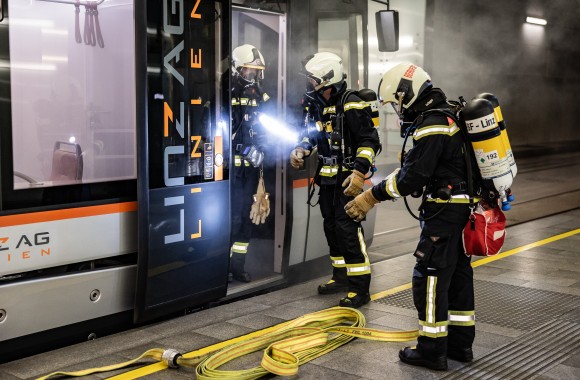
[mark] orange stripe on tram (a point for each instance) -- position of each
(70, 213)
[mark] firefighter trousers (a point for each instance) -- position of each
(443, 290)
(345, 239)
(244, 185)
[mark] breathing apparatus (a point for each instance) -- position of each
(248, 67)
(402, 87)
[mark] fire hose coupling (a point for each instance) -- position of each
(170, 356)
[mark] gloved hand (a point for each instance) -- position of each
(354, 183)
(361, 205)
(261, 206)
(297, 157)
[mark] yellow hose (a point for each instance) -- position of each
(285, 348)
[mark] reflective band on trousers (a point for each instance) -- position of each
(338, 262)
(357, 269)
(461, 318)
(238, 247)
(430, 299)
(437, 330)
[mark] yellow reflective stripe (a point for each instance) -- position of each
(367, 153)
(329, 171)
(331, 109)
(356, 105)
(433, 330)
(357, 269)
(238, 161)
(376, 121)
(430, 299)
(462, 318)
(449, 130)
(391, 185)
(244, 102)
(338, 261)
(239, 247)
(459, 198)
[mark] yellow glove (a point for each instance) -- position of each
(361, 205)
(354, 183)
(297, 157)
(261, 206)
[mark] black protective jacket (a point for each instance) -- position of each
(246, 128)
(355, 140)
(436, 161)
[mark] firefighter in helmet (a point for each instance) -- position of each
(339, 124)
(250, 206)
(435, 166)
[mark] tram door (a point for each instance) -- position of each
(258, 114)
(184, 181)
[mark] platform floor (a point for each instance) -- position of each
(527, 303)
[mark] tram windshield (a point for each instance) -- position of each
(72, 91)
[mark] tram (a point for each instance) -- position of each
(115, 159)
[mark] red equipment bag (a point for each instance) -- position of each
(484, 233)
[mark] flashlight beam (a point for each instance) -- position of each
(278, 128)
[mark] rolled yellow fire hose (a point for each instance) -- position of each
(285, 348)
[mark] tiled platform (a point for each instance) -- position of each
(538, 263)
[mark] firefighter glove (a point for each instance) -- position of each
(297, 157)
(354, 183)
(361, 205)
(261, 206)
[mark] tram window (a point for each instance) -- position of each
(72, 82)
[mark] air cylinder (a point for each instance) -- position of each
(502, 126)
(484, 134)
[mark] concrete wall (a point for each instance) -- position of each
(486, 46)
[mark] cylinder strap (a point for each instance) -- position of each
(286, 347)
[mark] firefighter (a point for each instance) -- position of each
(442, 277)
(339, 124)
(248, 143)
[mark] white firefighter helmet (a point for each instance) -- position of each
(402, 84)
(249, 57)
(325, 69)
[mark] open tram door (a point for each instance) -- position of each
(183, 176)
(258, 248)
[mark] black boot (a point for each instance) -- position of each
(413, 357)
(355, 300)
(332, 287)
(460, 354)
(242, 276)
